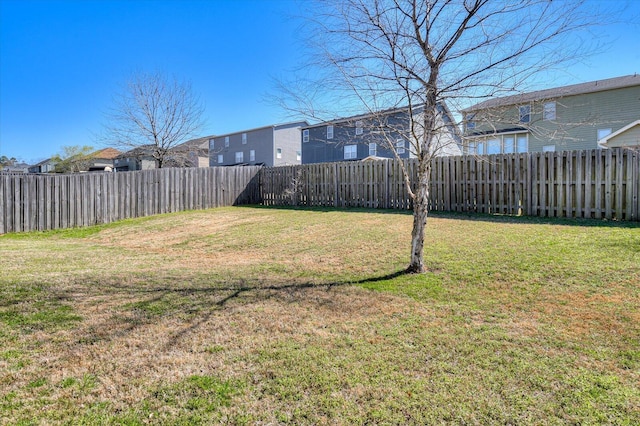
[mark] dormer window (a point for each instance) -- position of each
(359, 129)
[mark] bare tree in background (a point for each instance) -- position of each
(153, 114)
(423, 55)
(73, 159)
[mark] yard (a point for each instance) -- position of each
(252, 315)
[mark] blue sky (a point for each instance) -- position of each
(62, 61)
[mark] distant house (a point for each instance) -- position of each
(16, 168)
(368, 136)
(580, 116)
(275, 145)
(44, 166)
(103, 160)
(140, 158)
(193, 153)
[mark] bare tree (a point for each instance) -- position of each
(152, 115)
(73, 159)
(425, 55)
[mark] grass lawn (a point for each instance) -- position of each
(256, 315)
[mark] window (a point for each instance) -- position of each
(603, 133)
(329, 132)
(239, 157)
(305, 135)
(350, 152)
(279, 153)
(244, 138)
(493, 146)
(298, 156)
(400, 146)
(507, 145)
(470, 123)
(480, 148)
(220, 159)
(252, 155)
(522, 144)
(212, 143)
(471, 149)
(358, 127)
(549, 111)
(373, 149)
(549, 148)
(525, 113)
(226, 141)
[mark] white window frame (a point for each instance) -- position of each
(278, 153)
(512, 149)
(350, 152)
(603, 133)
(305, 135)
(212, 143)
(298, 155)
(549, 148)
(359, 128)
(226, 141)
(239, 157)
(373, 149)
(220, 158)
(244, 139)
(549, 111)
(494, 145)
(526, 115)
(400, 148)
(526, 143)
(329, 132)
(252, 155)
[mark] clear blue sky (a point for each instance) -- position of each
(61, 62)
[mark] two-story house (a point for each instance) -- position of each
(372, 135)
(579, 116)
(275, 145)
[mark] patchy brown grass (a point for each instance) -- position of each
(269, 316)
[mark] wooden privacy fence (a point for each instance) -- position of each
(43, 202)
(584, 184)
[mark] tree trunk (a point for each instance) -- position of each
(420, 212)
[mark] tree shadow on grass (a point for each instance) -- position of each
(128, 304)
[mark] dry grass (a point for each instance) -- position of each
(265, 316)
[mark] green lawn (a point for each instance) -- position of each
(256, 315)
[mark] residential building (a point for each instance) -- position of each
(579, 116)
(103, 160)
(275, 145)
(192, 153)
(44, 166)
(370, 135)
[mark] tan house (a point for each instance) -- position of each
(603, 113)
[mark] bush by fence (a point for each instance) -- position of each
(43, 202)
(584, 184)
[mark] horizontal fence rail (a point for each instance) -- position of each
(44, 202)
(578, 184)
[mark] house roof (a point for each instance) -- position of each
(560, 92)
(606, 139)
(107, 153)
(197, 143)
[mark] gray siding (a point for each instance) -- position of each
(578, 119)
(320, 148)
(264, 141)
(287, 138)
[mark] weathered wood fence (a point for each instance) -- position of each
(584, 184)
(43, 202)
